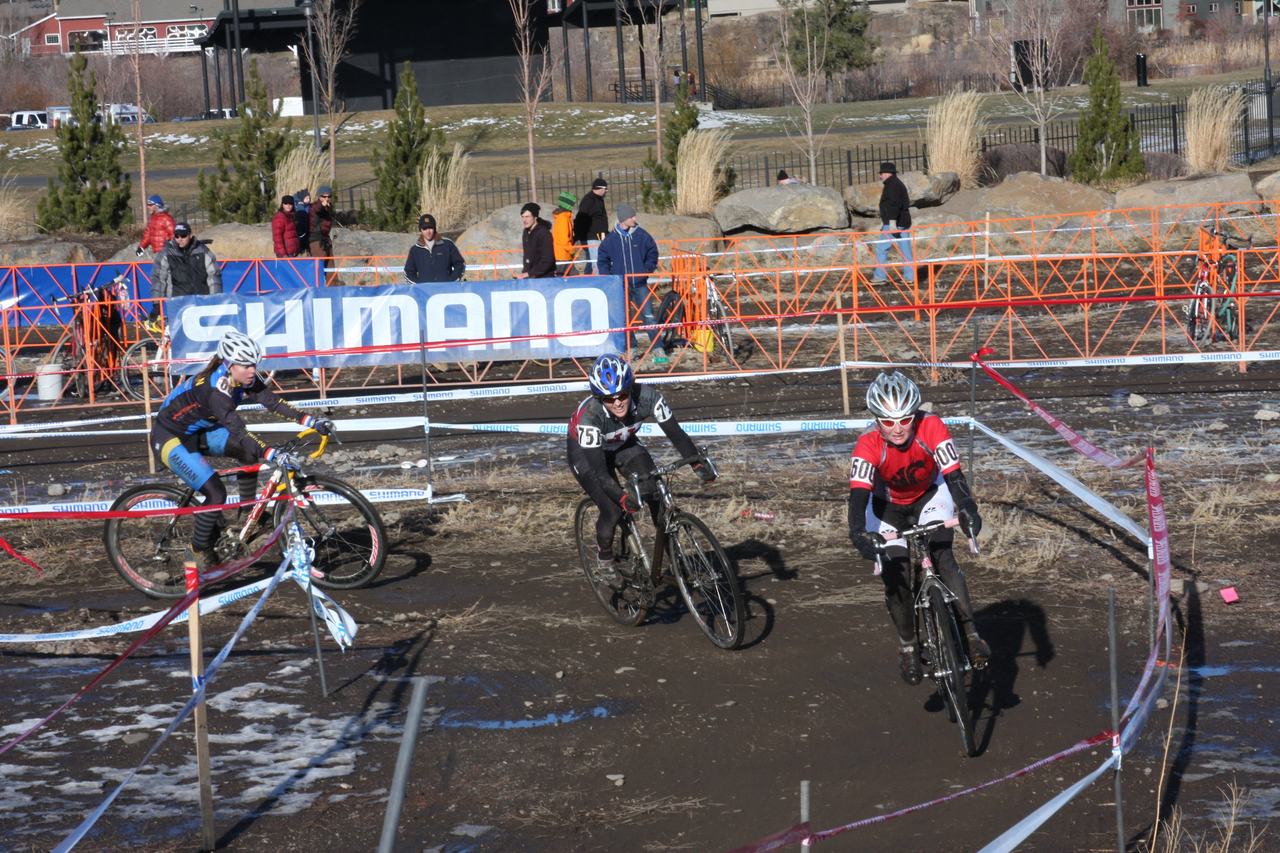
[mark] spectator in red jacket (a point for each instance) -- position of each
(159, 228)
(284, 231)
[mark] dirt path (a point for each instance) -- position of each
(550, 728)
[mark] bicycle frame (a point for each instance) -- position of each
(666, 512)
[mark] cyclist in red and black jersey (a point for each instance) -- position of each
(905, 471)
(603, 439)
(199, 417)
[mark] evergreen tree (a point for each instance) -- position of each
(92, 191)
(842, 26)
(397, 163)
(1107, 145)
(241, 188)
(661, 195)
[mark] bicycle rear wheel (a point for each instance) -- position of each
(342, 526)
(952, 670)
(149, 552)
(708, 582)
(623, 610)
(138, 367)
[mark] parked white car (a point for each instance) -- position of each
(29, 120)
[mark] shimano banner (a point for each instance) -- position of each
(513, 320)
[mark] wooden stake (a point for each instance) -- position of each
(207, 838)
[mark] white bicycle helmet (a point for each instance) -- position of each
(239, 348)
(893, 395)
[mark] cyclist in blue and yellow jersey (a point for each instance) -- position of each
(905, 471)
(603, 439)
(199, 417)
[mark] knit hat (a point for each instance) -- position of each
(598, 183)
(532, 207)
(288, 199)
(301, 194)
(325, 190)
(566, 201)
(625, 212)
(426, 221)
(888, 167)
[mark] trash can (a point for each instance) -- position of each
(48, 382)
(1140, 67)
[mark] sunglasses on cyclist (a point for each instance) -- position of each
(890, 423)
(625, 395)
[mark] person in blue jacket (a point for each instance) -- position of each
(433, 258)
(631, 252)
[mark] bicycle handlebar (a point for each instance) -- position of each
(921, 531)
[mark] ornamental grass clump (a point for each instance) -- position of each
(951, 136)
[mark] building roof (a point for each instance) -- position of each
(156, 10)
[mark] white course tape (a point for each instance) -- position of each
(1016, 834)
(715, 428)
(1070, 483)
(1096, 361)
(376, 496)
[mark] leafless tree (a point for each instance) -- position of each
(1043, 27)
(804, 76)
(135, 60)
(333, 26)
(534, 76)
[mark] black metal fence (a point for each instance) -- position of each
(1162, 128)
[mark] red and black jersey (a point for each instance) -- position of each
(907, 471)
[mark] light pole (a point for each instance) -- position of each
(1266, 75)
(308, 8)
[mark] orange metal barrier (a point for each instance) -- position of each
(1099, 283)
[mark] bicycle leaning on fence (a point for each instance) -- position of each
(90, 347)
(707, 580)
(336, 520)
(1211, 315)
(944, 651)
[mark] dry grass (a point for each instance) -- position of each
(1239, 52)
(952, 132)
(302, 167)
(699, 173)
(15, 211)
(1171, 836)
(1212, 114)
(444, 187)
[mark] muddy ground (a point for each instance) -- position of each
(550, 728)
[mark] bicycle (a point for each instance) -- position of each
(146, 361)
(722, 318)
(90, 350)
(1209, 316)
(707, 580)
(944, 650)
(337, 521)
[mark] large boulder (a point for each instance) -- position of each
(763, 250)
(1001, 161)
(42, 251)
(924, 190)
(1233, 191)
(1268, 189)
(693, 233)
(789, 209)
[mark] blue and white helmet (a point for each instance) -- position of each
(610, 375)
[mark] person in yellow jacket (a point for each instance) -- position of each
(562, 233)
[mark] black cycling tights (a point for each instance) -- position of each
(897, 586)
(628, 459)
(207, 524)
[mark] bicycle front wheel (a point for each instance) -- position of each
(139, 367)
(149, 552)
(952, 670)
(623, 610)
(708, 582)
(342, 526)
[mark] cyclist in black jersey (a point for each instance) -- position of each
(603, 438)
(199, 416)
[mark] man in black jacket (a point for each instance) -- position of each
(433, 258)
(184, 267)
(591, 222)
(895, 216)
(539, 252)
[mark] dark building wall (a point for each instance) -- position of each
(462, 52)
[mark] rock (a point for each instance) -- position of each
(1160, 409)
(616, 778)
(56, 490)
(819, 247)
(1137, 401)
(1001, 161)
(782, 210)
(42, 250)
(1214, 189)
(1265, 415)
(1269, 190)
(924, 190)
(700, 233)
(1271, 478)
(1217, 426)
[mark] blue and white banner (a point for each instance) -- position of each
(499, 320)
